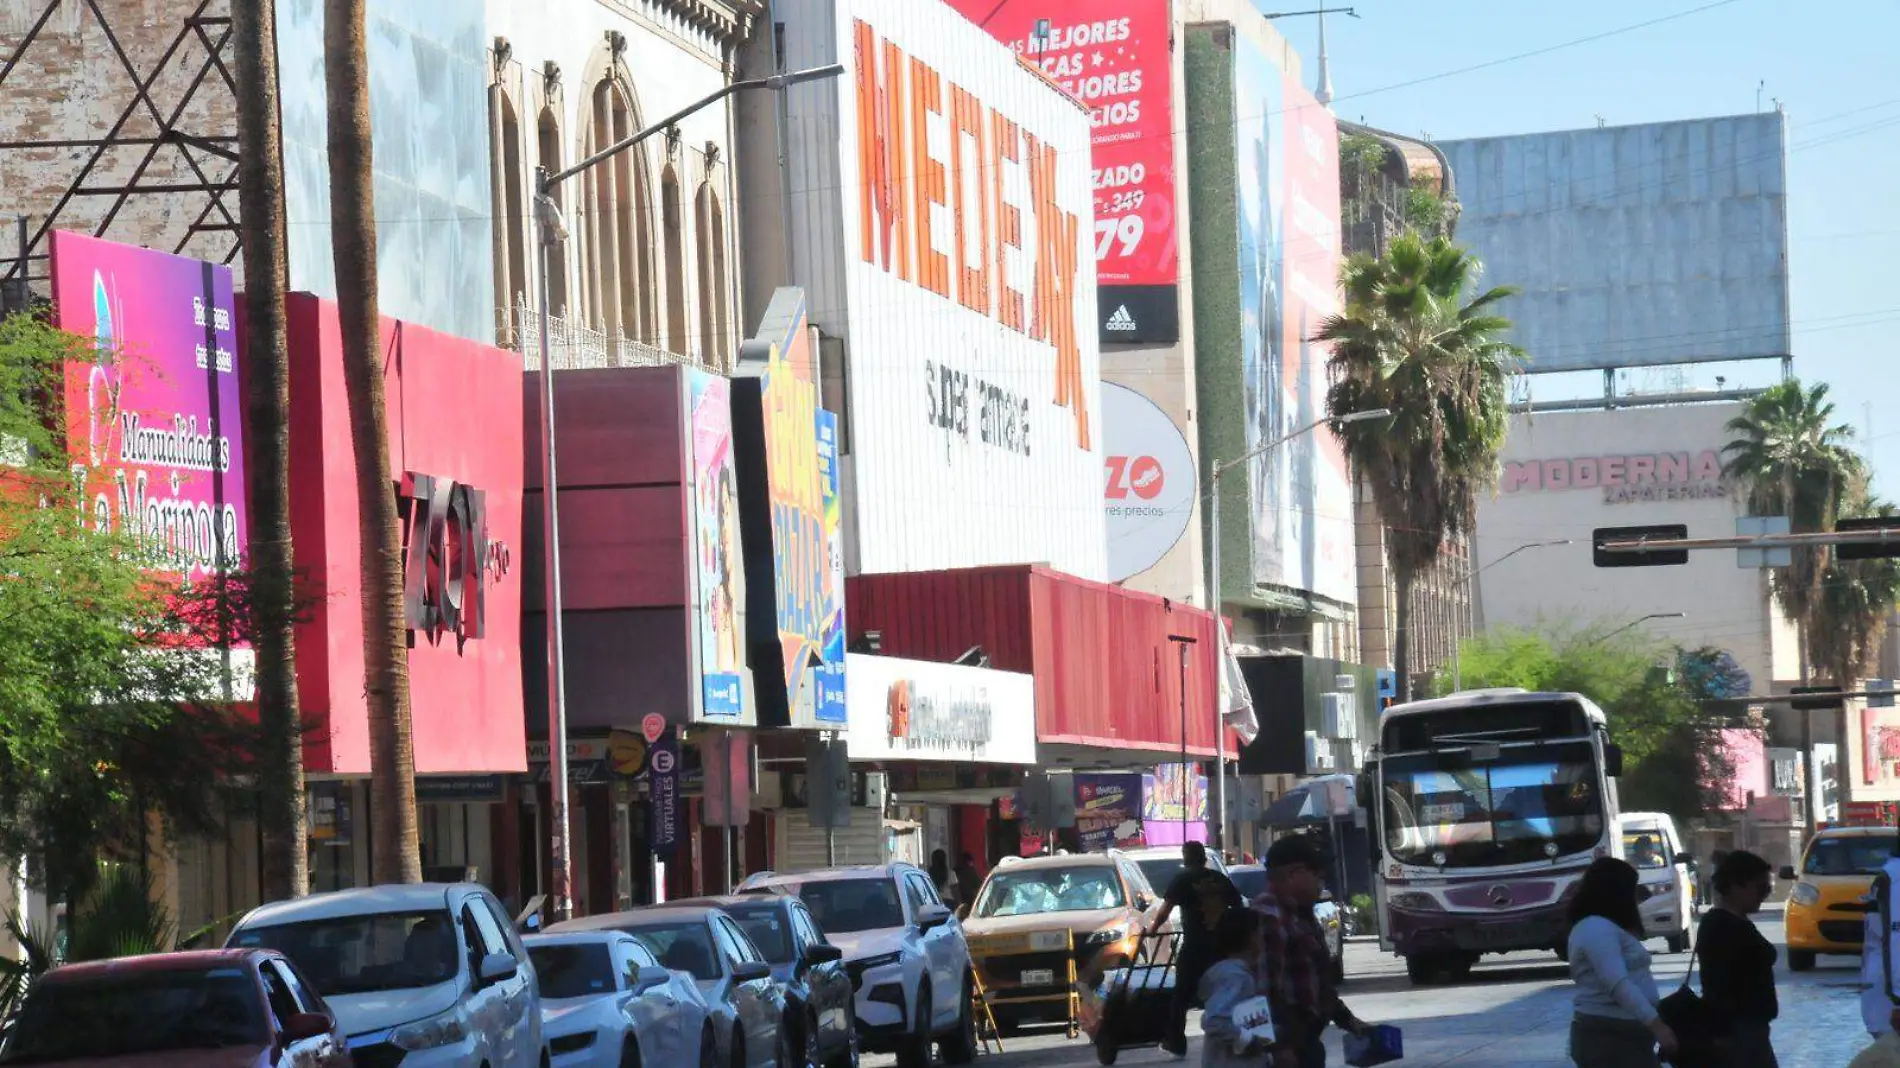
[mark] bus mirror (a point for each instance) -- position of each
(1612, 760)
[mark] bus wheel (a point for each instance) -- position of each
(1421, 970)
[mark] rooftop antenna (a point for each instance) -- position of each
(1759, 87)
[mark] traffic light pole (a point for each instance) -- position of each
(1886, 537)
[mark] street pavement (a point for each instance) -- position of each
(1514, 1011)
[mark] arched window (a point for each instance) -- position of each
(721, 289)
(548, 136)
(617, 233)
(511, 230)
(672, 235)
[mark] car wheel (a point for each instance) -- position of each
(630, 1054)
(1800, 960)
(915, 1051)
(1105, 1048)
(959, 1047)
(708, 1049)
(1678, 941)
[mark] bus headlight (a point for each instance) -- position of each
(1412, 901)
(1804, 894)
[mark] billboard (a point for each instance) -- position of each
(946, 190)
(1635, 246)
(794, 605)
(1286, 175)
(156, 418)
(921, 710)
(1115, 56)
(718, 568)
(1150, 484)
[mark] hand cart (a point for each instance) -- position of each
(1136, 999)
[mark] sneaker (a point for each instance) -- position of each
(1175, 1046)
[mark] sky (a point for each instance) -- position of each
(1831, 67)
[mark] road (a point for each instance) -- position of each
(1515, 1011)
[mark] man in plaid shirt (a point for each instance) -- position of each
(1294, 971)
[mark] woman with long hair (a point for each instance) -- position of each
(1616, 1023)
(1738, 964)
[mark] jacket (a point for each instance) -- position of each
(1224, 986)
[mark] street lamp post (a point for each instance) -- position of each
(1457, 674)
(1215, 471)
(553, 231)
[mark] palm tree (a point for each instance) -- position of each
(395, 854)
(285, 861)
(1409, 341)
(1791, 462)
(1855, 600)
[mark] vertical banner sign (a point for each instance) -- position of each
(830, 706)
(155, 417)
(663, 794)
(1115, 56)
(719, 569)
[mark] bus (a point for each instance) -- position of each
(1486, 806)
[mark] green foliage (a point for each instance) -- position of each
(1425, 210)
(1649, 690)
(1365, 916)
(113, 699)
(1361, 155)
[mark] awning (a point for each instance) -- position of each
(1314, 801)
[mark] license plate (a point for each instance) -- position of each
(1038, 977)
(1045, 941)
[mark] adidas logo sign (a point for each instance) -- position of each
(1121, 320)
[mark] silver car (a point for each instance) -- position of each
(606, 1002)
(743, 1002)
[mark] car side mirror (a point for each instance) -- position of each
(1685, 859)
(1787, 872)
(497, 966)
(1612, 760)
(1142, 902)
(304, 1026)
(751, 970)
(650, 979)
(932, 916)
(823, 953)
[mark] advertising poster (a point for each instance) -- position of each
(664, 799)
(156, 417)
(718, 565)
(1174, 792)
(1287, 177)
(1107, 797)
(1150, 484)
(830, 705)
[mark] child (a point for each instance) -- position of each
(1235, 1022)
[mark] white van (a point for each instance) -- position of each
(1652, 844)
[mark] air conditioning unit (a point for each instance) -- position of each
(1319, 754)
(875, 783)
(1339, 718)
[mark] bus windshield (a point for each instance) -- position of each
(1446, 809)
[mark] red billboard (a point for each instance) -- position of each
(1113, 56)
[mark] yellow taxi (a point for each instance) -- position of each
(1826, 913)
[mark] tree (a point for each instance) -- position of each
(395, 853)
(1855, 599)
(285, 859)
(1408, 341)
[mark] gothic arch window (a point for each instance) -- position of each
(548, 145)
(617, 228)
(673, 237)
(714, 283)
(511, 230)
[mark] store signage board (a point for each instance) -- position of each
(1150, 484)
(917, 710)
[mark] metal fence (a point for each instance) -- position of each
(574, 346)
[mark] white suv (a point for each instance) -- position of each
(423, 976)
(905, 952)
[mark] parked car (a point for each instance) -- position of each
(206, 1009)
(422, 975)
(745, 1004)
(1034, 919)
(819, 1001)
(1826, 913)
(1665, 868)
(904, 950)
(606, 1002)
(1251, 881)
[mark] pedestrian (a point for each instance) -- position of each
(1295, 971)
(1738, 965)
(1203, 895)
(941, 879)
(1615, 1022)
(1877, 1009)
(969, 881)
(1228, 986)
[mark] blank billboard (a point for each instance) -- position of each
(1634, 245)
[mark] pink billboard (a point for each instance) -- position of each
(155, 418)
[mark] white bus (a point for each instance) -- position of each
(1486, 806)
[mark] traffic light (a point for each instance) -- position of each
(1867, 551)
(1644, 557)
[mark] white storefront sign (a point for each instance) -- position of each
(943, 208)
(1148, 493)
(919, 710)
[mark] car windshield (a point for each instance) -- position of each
(1644, 851)
(1161, 871)
(683, 947)
(360, 954)
(573, 970)
(1066, 889)
(1848, 856)
(144, 1012)
(842, 906)
(768, 930)
(1448, 810)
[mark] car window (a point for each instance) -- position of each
(1645, 850)
(640, 956)
(682, 947)
(916, 892)
(843, 906)
(769, 932)
(505, 925)
(573, 969)
(1081, 888)
(741, 943)
(808, 932)
(126, 1014)
(360, 954)
(277, 995)
(492, 940)
(1132, 876)
(301, 988)
(1848, 855)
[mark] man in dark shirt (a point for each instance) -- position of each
(1203, 895)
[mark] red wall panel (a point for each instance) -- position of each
(1106, 672)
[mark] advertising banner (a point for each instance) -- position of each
(1107, 797)
(1116, 57)
(830, 706)
(663, 794)
(795, 603)
(1174, 792)
(967, 286)
(1151, 484)
(719, 569)
(155, 418)
(920, 710)
(1287, 174)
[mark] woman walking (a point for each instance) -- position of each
(1616, 1023)
(1738, 965)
